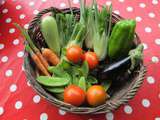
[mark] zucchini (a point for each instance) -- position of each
(121, 39)
(50, 33)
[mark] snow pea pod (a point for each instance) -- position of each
(55, 89)
(53, 81)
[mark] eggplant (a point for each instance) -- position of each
(114, 69)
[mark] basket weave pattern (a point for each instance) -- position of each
(122, 96)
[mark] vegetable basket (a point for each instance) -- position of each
(120, 95)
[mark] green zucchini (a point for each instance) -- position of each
(50, 33)
(121, 39)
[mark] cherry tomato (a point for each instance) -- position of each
(96, 95)
(91, 59)
(74, 95)
(74, 53)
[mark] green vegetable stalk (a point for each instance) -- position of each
(136, 56)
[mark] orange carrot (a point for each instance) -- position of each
(50, 56)
(37, 61)
(35, 49)
(42, 59)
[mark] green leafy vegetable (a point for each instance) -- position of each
(92, 79)
(82, 83)
(84, 69)
(106, 84)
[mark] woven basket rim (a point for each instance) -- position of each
(110, 105)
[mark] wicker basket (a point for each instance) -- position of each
(121, 95)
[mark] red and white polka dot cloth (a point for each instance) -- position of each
(18, 101)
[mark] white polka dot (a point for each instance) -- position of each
(75, 1)
(22, 67)
(129, 9)
(15, 41)
(43, 116)
(18, 7)
(142, 5)
(1, 46)
(145, 102)
(151, 15)
(18, 105)
(11, 30)
(44, 0)
(13, 88)
(62, 112)
(121, 0)
(3, 1)
(14, 0)
(138, 19)
(159, 95)
(154, 2)
(157, 41)
(26, 26)
(128, 109)
(155, 59)
(117, 12)
(20, 54)
(8, 73)
(108, 3)
(28, 83)
(8, 20)
(159, 25)
(62, 5)
(148, 29)
(36, 99)
(150, 80)
(145, 46)
(22, 16)
(31, 3)
(1, 110)
(109, 116)
(4, 59)
(157, 118)
(35, 12)
(5, 10)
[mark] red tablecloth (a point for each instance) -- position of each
(18, 101)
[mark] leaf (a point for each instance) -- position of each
(82, 83)
(106, 84)
(92, 80)
(56, 70)
(88, 85)
(84, 69)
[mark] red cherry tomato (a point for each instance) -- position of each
(96, 95)
(91, 59)
(74, 95)
(74, 53)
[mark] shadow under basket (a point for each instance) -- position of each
(121, 95)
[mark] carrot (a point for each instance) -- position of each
(50, 56)
(42, 59)
(37, 61)
(35, 49)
